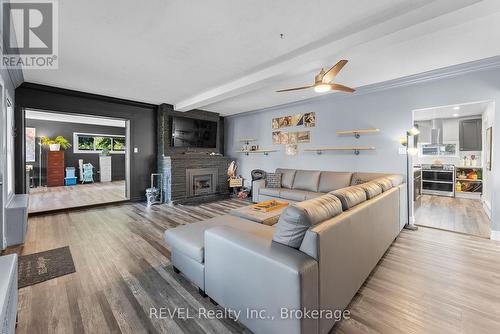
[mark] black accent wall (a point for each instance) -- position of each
(143, 126)
(52, 129)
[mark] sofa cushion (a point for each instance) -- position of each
(371, 189)
(189, 239)
(306, 180)
(297, 218)
(384, 182)
(396, 179)
(350, 196)
(287, 177)
(273, 180)
(360, 177)
(274, 192)
(298, 195)
(330, 181)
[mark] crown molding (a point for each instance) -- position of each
(415, 79)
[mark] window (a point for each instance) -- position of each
(96, 143)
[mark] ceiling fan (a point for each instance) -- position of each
(323, 81)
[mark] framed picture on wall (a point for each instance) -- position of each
(489, 134)
(30, 144)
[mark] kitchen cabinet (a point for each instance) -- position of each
(424, 136)
(470, 134)
(450, 131)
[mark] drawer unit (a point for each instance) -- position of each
(55, 168)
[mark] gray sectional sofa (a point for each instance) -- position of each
(299, 185)
(315, 258)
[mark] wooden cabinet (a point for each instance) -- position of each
(470, 135)
(55, 168)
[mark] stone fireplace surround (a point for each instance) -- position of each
(173, 162)
(178, 170)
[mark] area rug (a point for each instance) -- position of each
(39, 267)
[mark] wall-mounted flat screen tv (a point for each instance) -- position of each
(191, 132)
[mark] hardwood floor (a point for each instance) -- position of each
(429, 281)
(453, 214)
(55, 198)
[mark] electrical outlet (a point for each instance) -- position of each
(402, 150)
(136, 150)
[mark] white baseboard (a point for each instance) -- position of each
(495, 235)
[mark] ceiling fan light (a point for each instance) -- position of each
(321, 88)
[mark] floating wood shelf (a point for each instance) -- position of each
(355, 149)
(357, 133)
(265, 152)
(246, 140)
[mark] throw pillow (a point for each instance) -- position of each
(273, 180)
(297, 218)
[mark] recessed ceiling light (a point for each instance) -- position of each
(456, 108)
(455, 115)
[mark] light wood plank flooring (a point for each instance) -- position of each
(55, 198)
(430, 281)
(453, 214)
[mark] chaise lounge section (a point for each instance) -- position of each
(316, 257)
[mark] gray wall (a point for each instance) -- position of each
(142, 117)
(52, 129)
(389, 109)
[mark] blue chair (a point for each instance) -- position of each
(88, 173)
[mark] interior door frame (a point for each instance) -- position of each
(128, 151)
(411, 158)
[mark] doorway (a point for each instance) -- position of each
(452, 168)
(75, 160)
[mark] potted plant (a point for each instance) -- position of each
(56, 143)
(104, 152)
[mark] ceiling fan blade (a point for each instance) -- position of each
(342, 88)
(290, 89)
(332, 73)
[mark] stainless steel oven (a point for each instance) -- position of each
(438, 180)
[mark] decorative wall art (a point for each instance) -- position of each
(280, 137)
(30, 144)
(292, 138)
(291, 149)
(303, 137)
(308, 120)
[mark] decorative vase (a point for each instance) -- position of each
(54, 147)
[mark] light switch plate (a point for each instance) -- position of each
(136, 150)
(402, 150)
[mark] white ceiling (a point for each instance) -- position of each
(227, 56)
(459, 110)
(69, 118)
